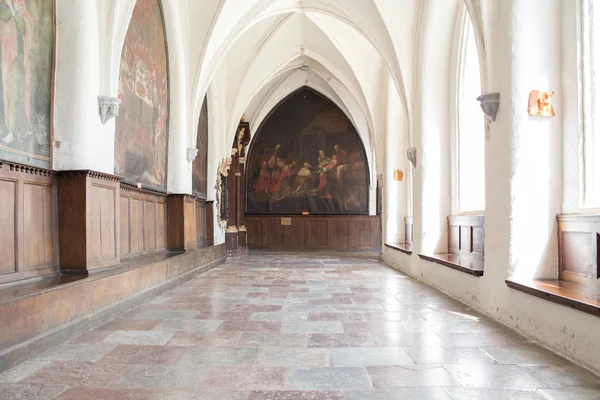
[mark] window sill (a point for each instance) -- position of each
(463, 264)
(405, 248)
(575, 295)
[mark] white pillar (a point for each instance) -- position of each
(179, 171)
(80, 139)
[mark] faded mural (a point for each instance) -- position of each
(307, 157)
(26, 59)
(141, 127)
(199, 165)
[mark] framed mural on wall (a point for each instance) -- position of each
(199, 166)
(141, 136)
(307, 157)
(26, 73)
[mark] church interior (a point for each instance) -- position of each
(300, 199)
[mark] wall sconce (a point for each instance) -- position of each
(540, 104)
(398, 175)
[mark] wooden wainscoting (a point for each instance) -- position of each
(28, 222)
(351, 232)
(466, 236)
(142, 221)
(579, 248)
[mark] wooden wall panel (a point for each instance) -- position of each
(161, 225)
(273, 233)
(466, 235)
(579, 248)
(318, 233)
(201, 221)
(8, 233)
(125, 232)
(340, 233)
(149, 226)
(255, 236)
(314, 232)
(295, 234)
(38, 224)
(190, 221)
(28, 222)
(137, 226)
(103, 244)
(145, 221)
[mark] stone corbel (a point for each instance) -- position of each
(109, 108)
(411, 154)
(191, 153)
(489, 103)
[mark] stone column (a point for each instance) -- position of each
(231, 234)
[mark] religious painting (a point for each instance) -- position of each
(141, 126)
(26, 62)
(199, 164)
(307, 157)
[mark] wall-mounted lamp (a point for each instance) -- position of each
(540, 104)
(398, 175)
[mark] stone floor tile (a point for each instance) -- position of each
(250, 326)
(254, 308)
(336, 316)
(566, 376)
(220, 356)
(297, 395)
(224, 315)
(475, 340)
(494, 394)
(524, 355)
(161, 377)
(407, 339)
(400, 394)
(22, 371)
(328, 379)
(570, 394)
(386, 377)
(448, 355)
(369, 356)
(75, 373)
(494, 376)
(77, 352)
(359, 339)
(208, 339)
(251, 339)
(245, 378)
(311, 327)
(293, 357)
(140, 337)
(91, 337)
(163, 314)
(128, 324)
(81, 393)
(135, 354)
(279, 316)
(199, 325)
(21, 391)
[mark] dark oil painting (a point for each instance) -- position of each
(199, 164)
(26, 59)
(307, 157)
(141, 126)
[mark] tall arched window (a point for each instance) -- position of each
(590, 77)
(470, 145)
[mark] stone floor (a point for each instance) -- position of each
(275, 326)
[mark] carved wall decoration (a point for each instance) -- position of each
(221, 189)
(307, 156)
(540, 104)
(141, 127)
(26, 57)
(109, 108)
(200, 162)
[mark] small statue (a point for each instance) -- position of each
(540, 103)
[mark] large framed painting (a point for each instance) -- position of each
(199, 166)
(307, 157)
(142, 124)
(26, 70)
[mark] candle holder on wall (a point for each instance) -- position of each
(540, 104)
